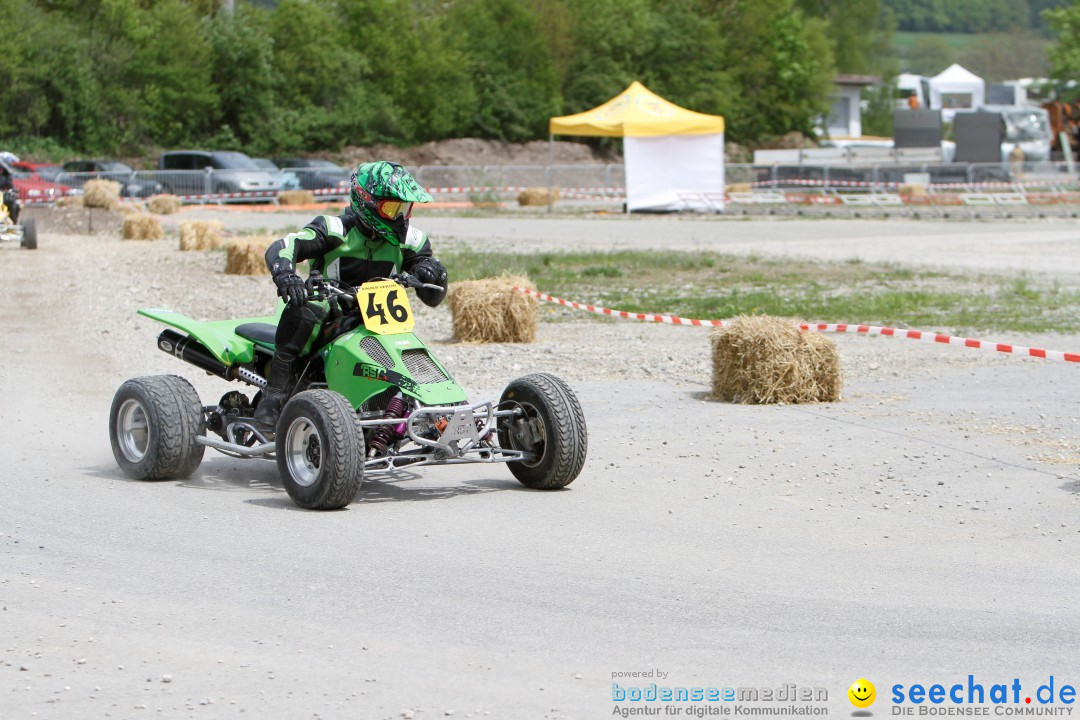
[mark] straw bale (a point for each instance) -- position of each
(163, 204)
(70, 201)
(201, 234)
(538, 196)
(142, 226)
(127, 207)
(296, 197)
(912, 190)
(762, 360)
(247, 257)
(742, 187)
(490, 310)
(101, 194)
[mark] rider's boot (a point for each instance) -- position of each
(269, 408)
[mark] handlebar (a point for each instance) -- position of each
(320, 288)
(411, 281)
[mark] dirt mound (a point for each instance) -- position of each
(474, 151)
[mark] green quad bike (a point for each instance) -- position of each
(369, 399)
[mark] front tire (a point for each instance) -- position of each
(29, 239)
(553, 428)
(153, 424)
(320, 450)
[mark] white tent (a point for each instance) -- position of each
(956, 88)
(674, 156)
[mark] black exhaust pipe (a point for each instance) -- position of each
(191, 351)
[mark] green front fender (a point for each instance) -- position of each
(351, 371)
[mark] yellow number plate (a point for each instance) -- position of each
(385, 307)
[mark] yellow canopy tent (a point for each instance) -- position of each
(674, 157)
(637, 112)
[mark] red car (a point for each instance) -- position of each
(31, 180)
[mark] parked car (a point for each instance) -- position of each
(47, 171)
(315, 173)
(131, 185)
(198, 172)
(33, 188)
(289, 179)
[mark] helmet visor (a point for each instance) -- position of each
(392, 208)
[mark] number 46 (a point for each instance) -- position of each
(398, 313)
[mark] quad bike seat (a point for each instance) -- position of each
(262, 333)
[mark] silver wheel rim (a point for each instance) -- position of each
(132, 430)
(303, 451)
(531, 413)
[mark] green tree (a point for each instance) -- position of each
(515, 86)
(1064, 24)
(859, 31)
(609, 37)
(171, 72)
(678, 34)
(244, 74)
(781, 64)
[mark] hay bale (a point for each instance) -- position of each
(70, 201)
(538, 196)
(163, 204)
(762, 359)
(128, 207)
(246, 257)
(142, 226)
(296, 197)
(201, 234)
(743, 187)
(101, 194)
(912, 190)
(490, 310)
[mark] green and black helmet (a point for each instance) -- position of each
(382, 195)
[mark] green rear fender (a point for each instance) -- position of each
(354, 373)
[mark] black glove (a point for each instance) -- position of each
(290, 288)
(430, 270)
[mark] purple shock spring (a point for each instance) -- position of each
(385, 434)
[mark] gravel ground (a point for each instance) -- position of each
(921, 529)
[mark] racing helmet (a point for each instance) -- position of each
(382, 196)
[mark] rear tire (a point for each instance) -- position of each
(555, 413)
(29, 239)
(153, 424)
(320, 450)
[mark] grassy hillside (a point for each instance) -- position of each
(903, 41)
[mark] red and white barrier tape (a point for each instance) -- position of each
(669, 319)
(231, 196)
(823, 327)
(826, 183)
(867, 183)
(944, 340)
(260, 194)
(587, 193)
(599, 193)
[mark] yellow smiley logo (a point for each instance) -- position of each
(862, 693)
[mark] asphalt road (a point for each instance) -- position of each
(1042, 246)
(921, 530)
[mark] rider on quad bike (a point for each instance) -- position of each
(371, 239)
(8, 193)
